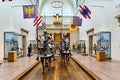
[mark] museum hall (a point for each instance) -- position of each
(60, 40)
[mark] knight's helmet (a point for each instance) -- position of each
(64, 35)
(44, 31)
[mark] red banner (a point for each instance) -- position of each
(37, 21)
(6, 0)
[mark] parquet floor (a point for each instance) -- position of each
(58, 71)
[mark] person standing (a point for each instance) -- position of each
(29, 50)
(95, 48)
(84, 48)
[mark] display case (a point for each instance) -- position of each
(81, 46)
(34, 46)
(12, 42)
(102, 43)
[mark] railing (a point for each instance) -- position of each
(49, 20)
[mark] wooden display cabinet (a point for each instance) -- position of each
(12, 56)
(100, 56)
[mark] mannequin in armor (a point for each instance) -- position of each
(65, 49)
(52, 47)
(45, 53)
(44, 42)
(65, 43)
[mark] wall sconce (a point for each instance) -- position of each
(118, 17)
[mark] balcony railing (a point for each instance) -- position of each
(49, 20)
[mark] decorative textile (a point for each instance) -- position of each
(77, 21)
(84, 10)
(6, 0)
(73, 27)
(29, 11)
(37, 21)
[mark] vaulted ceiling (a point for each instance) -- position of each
(45, 7)
(69, 7)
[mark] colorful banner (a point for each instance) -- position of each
(29, 11)
(41, 27)
(6, 0)
(77, 21)
(84, 10)
(37, 21)
(73, 27)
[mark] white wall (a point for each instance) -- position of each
(103, 19)
(47, 8)
(11, 19)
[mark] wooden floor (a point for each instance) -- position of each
(58, 71)
(9, 70)
(106, 70)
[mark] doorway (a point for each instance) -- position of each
(57, 38)
(24, 45)
(90, 44)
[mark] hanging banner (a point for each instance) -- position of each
(29, 11)
(73, 27)
(6, 0)
(84, 10)
(77, 21)
(37, 21)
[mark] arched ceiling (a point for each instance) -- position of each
(46, 8)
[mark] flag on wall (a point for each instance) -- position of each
(6, 0)
(77, 21)
(84, 10)
(37, 21)
(73, 27)
(29, 11)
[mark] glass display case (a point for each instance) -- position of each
(11, 43)
(81, 46)
(102, 43)
(34, 46)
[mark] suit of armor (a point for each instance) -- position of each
(65, 49)
(45, 53)
(52, 48)
(44, 48)
(65, 43)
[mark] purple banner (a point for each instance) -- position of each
(29, 11)
(77, 21)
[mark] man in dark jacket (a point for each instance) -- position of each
(29, 49)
